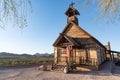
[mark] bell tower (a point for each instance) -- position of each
(71, 13)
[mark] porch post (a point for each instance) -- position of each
(55, 55)
(68, 51)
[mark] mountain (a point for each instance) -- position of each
(26, 55)
(42, 54)
(6, 54)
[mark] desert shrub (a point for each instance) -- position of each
(13, 61)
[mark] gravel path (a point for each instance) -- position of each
(31, 73)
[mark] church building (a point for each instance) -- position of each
(74, 45)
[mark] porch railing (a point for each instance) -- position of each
(90, 61)
(79, 60)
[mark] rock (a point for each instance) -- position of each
(42, 67)
(65, 70)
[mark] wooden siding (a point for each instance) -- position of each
(93, 54)
(75, 32)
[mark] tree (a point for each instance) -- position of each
(14, 11)
(108, 9)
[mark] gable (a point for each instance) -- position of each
(75, 31)
(72, 31)
(64, 39)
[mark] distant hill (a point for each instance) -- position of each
(5, 54)
(43, 54)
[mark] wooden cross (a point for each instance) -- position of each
(72, 3)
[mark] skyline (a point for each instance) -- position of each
(48, 20)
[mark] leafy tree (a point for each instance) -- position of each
(14, 11)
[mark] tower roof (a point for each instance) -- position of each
(72, 10)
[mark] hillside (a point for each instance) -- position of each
(6, 54)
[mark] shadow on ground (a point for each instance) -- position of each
(105, 71)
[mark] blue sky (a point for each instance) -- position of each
(46, 22)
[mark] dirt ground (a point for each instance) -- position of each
(31, 73)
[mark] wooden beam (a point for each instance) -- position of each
(113, 51)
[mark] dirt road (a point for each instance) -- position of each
(31, 73)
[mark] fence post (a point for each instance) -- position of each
(112, 66)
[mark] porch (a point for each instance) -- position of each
(78, 61)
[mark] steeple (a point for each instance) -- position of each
(109, 47)
(71, 13)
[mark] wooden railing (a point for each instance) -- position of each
(91, 61)
(79, 60)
